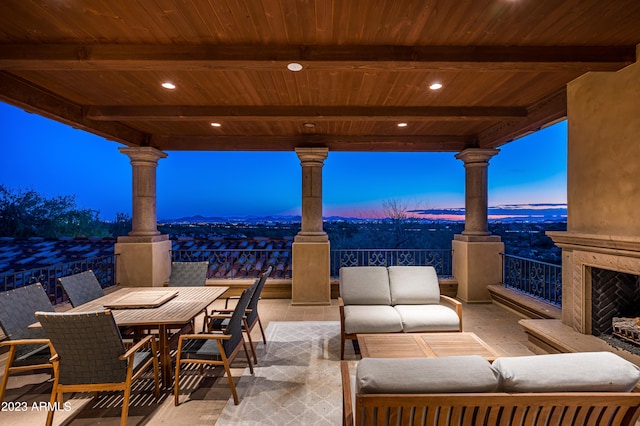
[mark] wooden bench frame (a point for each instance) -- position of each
(560, 408)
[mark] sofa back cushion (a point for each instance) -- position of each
(454, 374)
(414, 285)
(567, 372)
(365, 285)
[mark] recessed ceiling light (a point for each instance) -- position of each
(402, 124)
(309, 125)
(168, 85)
(294, 66)
(216, 125)
(435, 86)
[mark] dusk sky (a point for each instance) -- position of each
(55, 159)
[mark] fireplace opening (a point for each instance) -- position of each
(615, 298)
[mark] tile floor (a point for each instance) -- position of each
(494, 324)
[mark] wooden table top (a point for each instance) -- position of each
(181, 309)
(418, 345)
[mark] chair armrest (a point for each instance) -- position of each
(340, 301)
(226, 301)
(347, 405)
(136, 347)
(205, 336)
(454, 304)
(25, 342)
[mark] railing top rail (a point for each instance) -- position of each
(511, 256)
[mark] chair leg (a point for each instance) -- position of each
(231, 384)
(125, 405)
(5, 378)
(253, 349)
(247, 355)
(264, 337)
(341, 346)
(52, 400)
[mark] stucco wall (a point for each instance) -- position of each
(603, 171)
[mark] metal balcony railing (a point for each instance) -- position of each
(103, 267)
(538, 279)
(439, 259)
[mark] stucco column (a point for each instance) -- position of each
(144, 256)
(144, 161)
(477, 260)
(310, 251)
(312, 161)
(476, 163)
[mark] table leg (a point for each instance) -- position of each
(165, 356)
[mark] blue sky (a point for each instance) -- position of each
(55, 159)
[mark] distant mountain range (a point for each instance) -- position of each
(507, 212)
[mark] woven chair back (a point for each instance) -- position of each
(17, 309)
(88, 344)
(81, 288)
(253, 303)
(234, 328)
(184, 274)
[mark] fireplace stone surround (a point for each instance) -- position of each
(581, 253)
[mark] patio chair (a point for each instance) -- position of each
(253, 317)
(189, 274)
(90, 356)
(216, 347)
(81, 288)
(29, 349)
(185, 274)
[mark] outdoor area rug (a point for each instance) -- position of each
(297, 379)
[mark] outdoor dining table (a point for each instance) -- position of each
(161, 308)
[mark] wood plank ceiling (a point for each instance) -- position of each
(366, 66)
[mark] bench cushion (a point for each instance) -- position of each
(365, 285)
(414, 285)
(371, 319)
(421, 318)
(455, 374)
(568, 372)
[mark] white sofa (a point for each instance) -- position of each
(377, 299)
(592, 388)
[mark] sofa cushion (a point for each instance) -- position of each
(421, 318)
(457, 374)
(568, 372)
(414, 285)
(365, 285)
(371, 319)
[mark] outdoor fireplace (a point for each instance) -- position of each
(600, 280)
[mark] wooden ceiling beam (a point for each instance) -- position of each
(426, 143)
(36, 100)
(299, 113)
(541, 114)
(137, 57)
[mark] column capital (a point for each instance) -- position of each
(312, 155)
(143, 154)
(476, 155)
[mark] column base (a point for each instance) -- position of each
(143, 261)
(477, 263)
(311, 273)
